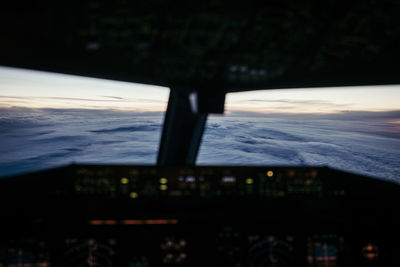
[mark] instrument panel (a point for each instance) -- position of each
(94, 215)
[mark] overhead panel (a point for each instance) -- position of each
(185, 45)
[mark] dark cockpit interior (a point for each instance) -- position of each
(176, 213)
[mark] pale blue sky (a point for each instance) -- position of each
(36, 89)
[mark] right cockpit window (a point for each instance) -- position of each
(354, 129)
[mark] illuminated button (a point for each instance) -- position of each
(249, 181)
(228, 179)
(124, 180)
(370, 251)
(190, 179)
(163, 187)
(163, 180)
(181, 258)
(182, 255)
(182, 243)
(270, 173)
(133, 195)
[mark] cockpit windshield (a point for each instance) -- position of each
(355, 129)
(49, 120)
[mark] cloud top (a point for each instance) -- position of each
(362, 142)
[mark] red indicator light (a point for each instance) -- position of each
(96, 222)
(133, 222)
(156, 221)
(103, 222)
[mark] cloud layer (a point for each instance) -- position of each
(36, 139)
(361, 142)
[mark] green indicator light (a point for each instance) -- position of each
(163, 187)
(124, 180)
(249, 181)
(133, 195)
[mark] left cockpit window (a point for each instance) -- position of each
(49, 120)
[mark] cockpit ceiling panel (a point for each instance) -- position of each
(229, 45)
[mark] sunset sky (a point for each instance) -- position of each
(35, 89)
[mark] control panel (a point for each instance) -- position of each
(94, 215)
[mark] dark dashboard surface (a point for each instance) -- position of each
(87, 215)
